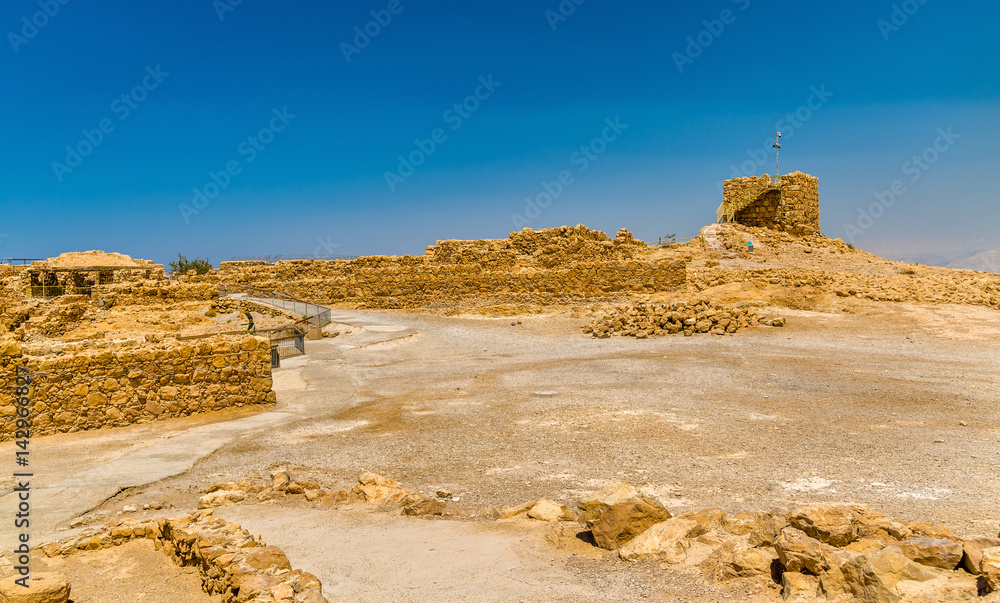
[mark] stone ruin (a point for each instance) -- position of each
(790, 202)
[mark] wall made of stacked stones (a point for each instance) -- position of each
(531, 267)
(795, 208)
(110, 384)
(152, 292)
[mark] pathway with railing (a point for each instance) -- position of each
(286, 340)
(763, 186)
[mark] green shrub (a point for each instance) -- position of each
(183, 265)
(211, 313)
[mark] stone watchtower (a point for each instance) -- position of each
(789, 202)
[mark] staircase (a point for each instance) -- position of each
(764, 185)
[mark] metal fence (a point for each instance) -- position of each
(286, 340)
(21, 260)
(289, 258)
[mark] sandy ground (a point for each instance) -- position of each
(865, 407)
(131, 573)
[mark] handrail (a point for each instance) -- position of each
(295, 330)
(763, 185)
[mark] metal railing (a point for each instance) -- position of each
(764, 184)
(289, 258)
(22, 260)
(286, 340)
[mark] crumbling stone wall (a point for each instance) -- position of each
(108, 384)
(531, 266)
(794, 208)
(232, 563)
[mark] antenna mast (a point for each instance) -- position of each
(777, 154)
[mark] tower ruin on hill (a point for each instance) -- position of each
(789, 202)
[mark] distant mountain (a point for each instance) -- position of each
(986, 261)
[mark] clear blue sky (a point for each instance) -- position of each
(320, 183)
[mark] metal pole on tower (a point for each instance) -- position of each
(777, 155)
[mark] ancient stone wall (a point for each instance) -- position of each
(531, 266)
(155, 292)
(234, 565)
(107, 384)
(794, 208)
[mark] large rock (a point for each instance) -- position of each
(666, 540)
(990, 567)
(833, 525)
(612, 494)
(874, 577)
(764, 531)
(374, 488)
(947, 586)
(972, 553)
(709, 519)
(614, 525)
(798, 551)
(264, 557)
(796, 586)
(43, 587)
(933, 552)
(546, 510)
(220, 497)
(736, 559)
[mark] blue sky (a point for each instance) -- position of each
(696, 88)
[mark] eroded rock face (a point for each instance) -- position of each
(933, 552)
(796, 586)
(736, 559)
(874, 577)
(615, 524)
(829, 524)
(375, 488)
(546, 510)
(47, 587)
(972, 553)
(798, 551)
(667, 540)
(990, 567)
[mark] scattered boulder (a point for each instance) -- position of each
(796, 586)
(425, 507)
(798, 551)
(615, 524)
(766, 527)
(709, 519)
(219, 498)
(990, 567)
(667, 540)
(933, 552)
(946, 586)
(44, 587)
(373, 488)
(280, 480)
(930, 531)
(546, 510)
(873, 577)
(972, 553)
(830, 524)
(736, 559)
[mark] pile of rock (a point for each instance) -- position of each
(232, 563)
(370, 488)
(641, 320)
(834, 552)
